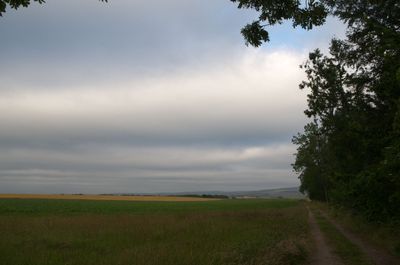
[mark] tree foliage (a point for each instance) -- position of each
(311, 13)
(310, 162)
(355, 93)
(350, 153)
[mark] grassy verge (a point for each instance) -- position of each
(349, 253)
(251, 232)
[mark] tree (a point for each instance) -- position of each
(310, 13)
(350, 153)
(309, 162)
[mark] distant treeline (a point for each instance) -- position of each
(350, 153)
(209, 196)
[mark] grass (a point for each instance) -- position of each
(252, 232)
(349, 253)
(77, 207)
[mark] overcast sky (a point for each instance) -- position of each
(148, 96)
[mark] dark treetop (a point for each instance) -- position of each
(350, 153)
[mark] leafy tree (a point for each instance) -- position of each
(309, 162)
(310, 13)
(350, 153)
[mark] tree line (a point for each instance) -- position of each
(349, 152)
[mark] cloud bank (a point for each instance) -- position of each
(130, 98)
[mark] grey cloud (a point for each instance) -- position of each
(222, 128)
(70, 42)
(208, 168)
(216, 106)
(146, 96)
(191, 181)
(149, 158)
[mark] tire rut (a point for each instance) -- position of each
(323, 254)
(378, 256)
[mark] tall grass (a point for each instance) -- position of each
(229, 232)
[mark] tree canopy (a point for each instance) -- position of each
(350, 153)
(310, 13)
(307, 15)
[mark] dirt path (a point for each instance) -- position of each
(323, 254)
(378, 256)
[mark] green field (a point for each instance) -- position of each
(120, 232)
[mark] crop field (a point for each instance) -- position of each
(102, 197)
(253, 232)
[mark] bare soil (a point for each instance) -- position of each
(323, 254)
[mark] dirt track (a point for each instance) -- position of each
(323, 253)
(377, 256)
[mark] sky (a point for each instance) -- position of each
(148, 96)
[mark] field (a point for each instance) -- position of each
(102, 197)
(43, 231)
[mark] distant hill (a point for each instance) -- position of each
(271, 193)
(292, 192)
